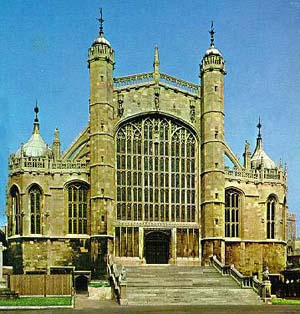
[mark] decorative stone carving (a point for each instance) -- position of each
(156, 97)
(120, 104)
(192, 111)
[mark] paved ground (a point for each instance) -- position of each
(83, 305)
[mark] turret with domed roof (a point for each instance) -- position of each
(35, 146)
(212, 71)
(102, 151)
(259, 158)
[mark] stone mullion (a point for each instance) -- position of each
(153, 175)
(170, 171)
(187, 206)
(143, 170)
(179, 175)
(131, 174)
(158, 178)
(164, 172)
(125, 181)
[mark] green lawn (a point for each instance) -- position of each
(37, 301)
(99, 284)
(286, 302)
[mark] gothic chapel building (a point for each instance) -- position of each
(145, 180)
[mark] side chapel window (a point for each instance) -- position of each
(232, 206)
(35, 198)
(271, 204)
(77, 208)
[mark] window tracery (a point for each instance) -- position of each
(77, 208)
(156, 166)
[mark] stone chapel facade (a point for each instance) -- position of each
(145, 181)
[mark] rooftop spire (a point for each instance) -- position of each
(36, 110)
(36, 125)
(259, 138)
(259, 127)
(101, 21)
(212, 33)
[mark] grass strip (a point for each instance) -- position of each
(37, 301)
(99, 284)
(285, 302)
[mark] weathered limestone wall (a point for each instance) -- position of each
(253, 214)
(141, 100)
(40, 254)
(251, 257)
(54, 199)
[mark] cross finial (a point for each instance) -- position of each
(259, 127)
(101, 21)
(212, 33)
(36, 110)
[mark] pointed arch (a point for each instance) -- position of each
(272, 202)
(15, 215)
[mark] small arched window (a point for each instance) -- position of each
(77, 208)
(35, 201)
(271, 206)
(15, 220)
(232, 206)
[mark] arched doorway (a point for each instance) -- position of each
(157, 247)
(81, 284)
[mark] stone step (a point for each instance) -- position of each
(169, 284)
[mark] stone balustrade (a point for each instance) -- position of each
(255, 175)
(45, 164)
(178, 83)
(132, 80)
(137, 79)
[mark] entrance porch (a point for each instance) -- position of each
(146, 245)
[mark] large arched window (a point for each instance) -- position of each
(156, 171)
(232, 207)
(271, 205)
(15, 215)
(77, 208)
(35, 203)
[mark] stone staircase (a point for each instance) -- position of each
(182, 285)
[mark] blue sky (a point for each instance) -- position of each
(43, 56)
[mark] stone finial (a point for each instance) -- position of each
(56, 135)
(156, 60)
(247, 155)
(56, 145)
(156, 75)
